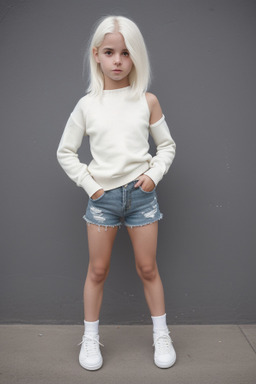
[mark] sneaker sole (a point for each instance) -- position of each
(92, 367)
(164, 366)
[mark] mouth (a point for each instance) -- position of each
(117, 70)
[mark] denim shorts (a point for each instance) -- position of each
(127, 204)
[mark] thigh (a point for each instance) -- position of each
(100, 243)
(144, 242)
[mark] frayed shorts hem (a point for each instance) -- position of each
(119, 225)
(102, 225)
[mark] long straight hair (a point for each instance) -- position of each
(140, 75)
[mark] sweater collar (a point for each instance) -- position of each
(118, 90)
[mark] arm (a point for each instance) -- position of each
(67, 156)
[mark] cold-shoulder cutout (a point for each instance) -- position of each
(154, 108)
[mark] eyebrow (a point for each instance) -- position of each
(112, 49)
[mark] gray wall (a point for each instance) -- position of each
(203, 60)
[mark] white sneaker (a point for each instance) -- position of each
(90, 356)
(164, 355)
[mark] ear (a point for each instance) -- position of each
(95, 54)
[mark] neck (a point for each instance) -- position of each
(110, 84)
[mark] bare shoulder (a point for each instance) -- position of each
(154, 107)
(152, 100)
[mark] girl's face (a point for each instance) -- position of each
(114, 60)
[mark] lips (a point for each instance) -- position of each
(117, 70)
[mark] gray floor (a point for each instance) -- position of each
(206, 354)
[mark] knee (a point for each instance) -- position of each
(98, 274)
(147, 272)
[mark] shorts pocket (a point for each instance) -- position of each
(98, 199)
(142, 190)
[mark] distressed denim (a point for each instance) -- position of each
(127, 204)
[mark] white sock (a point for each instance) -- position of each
(91, 327)
(159, 323)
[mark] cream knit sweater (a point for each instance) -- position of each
(118, 129)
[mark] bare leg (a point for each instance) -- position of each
(144, 241)
(100, 245)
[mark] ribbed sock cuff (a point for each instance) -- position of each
(159, 323)
(91, 327)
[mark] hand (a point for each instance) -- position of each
(97, 194)
(146, 183)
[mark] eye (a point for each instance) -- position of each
(108, 53)
(126, 53)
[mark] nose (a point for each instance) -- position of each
(117, 59)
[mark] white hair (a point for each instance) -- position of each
(139, 76)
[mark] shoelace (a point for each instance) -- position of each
(92, 344)
(163, 343)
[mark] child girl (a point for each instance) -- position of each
(118, 114)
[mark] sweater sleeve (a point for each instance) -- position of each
(67, 156)
(165, 150)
